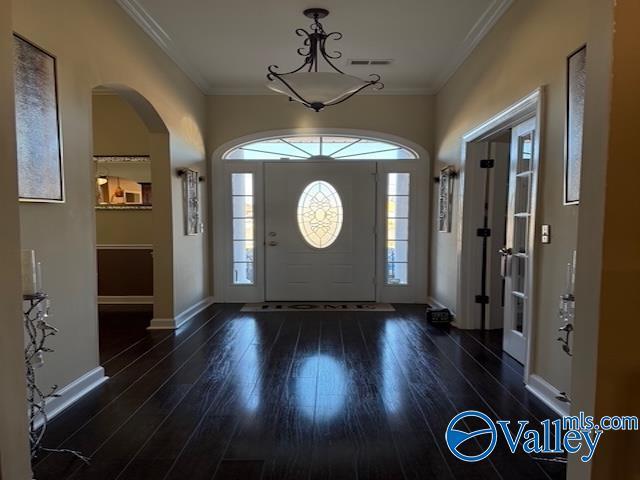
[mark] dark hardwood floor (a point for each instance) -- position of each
(293, 395)
(121, 329)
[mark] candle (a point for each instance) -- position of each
(39, 277)
(29, 281)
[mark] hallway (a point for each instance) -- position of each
(295, 395)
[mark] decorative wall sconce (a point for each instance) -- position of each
(452, 174)
(182, 171)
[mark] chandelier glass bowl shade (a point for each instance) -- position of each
(314, 85)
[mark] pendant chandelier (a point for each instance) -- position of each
(309, 84)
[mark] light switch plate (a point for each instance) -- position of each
(546, 234)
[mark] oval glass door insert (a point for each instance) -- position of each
(320, 214)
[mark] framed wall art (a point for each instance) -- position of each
(445, 196)
(39, 148)
(576, 86)
(190, 181)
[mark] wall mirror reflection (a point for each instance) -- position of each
(123, 182)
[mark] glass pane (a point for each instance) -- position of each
(397, 273)
(242, 184)
(397, 251)
(404, 154)
(398, 229)
(331, 145)
(363, 146)
(243, 273)
(388, 152)
(518, 312)
(518, 266)
(243, 251)
(275, 146)
(309, 145)
(525, 153)
(242, 207)
(520, 225)
(522, 194)
(320, 214)
(397, 206)
(251, 154)
(243, 229)
(398, 184)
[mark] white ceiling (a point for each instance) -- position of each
(225, 46)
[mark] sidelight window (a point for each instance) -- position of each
(397, 248)
(242, 200)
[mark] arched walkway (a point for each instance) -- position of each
(162, 202)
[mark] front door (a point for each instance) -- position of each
(320, 231)
(516, 263)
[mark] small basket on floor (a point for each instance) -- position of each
(439, 316)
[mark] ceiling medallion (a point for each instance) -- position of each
(309, 84)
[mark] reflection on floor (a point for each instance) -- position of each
(235, 395)
(120, 328)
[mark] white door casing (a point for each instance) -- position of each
(295, 269)
(224, 290)
(469, 216)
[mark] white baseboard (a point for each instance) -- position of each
(547, 394)
(125, 300)
(182, 318)
(72, 392)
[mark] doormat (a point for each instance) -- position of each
(317, 307)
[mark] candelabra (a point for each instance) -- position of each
(38, 330)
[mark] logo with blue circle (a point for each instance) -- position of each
(457, 437)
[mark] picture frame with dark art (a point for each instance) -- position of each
(576, 88)
(190, 187)
(445, 197)
(38, 132)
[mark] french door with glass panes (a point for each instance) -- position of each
(515, 254)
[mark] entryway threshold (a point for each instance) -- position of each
(317, 307)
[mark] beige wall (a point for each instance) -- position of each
(231, 117)
(117, 128)
(14, 456)
(526, 49)
(126, 227)
(96, 43)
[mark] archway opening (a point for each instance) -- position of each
(132, 218)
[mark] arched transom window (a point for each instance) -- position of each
(303, 147)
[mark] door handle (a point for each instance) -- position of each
(273, 243)
(505, 261)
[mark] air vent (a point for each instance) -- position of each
(367, 61)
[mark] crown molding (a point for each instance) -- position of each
(479, 30)
(164, 41)
(151, 27)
